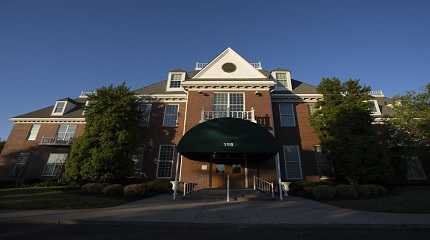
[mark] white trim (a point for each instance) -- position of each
(220, 56)
(177, 115)
(31, 131)
(230, 83)
(48, 120)
(169, 78)
(293, 107)
(297, 147)
(378, 110)
(53, 113)
(158, 161)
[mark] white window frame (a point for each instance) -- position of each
(32, 135)
(297, 147)
(378, 110)
(177, 115)
(67, 131)
(288, 80)
(168, 88)
(55, 107)
(53, 167)
(228, 99)
(292, 114)
(171, 162)
(144, 120)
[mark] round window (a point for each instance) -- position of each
(228, 67)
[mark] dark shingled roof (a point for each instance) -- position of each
(299, 87)
(155, 88)
(75, 112)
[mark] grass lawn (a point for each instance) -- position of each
(409, 199)
(52, 198)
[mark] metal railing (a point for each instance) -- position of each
(246, 115)
(188, 188)
(200, 66)
(264, 186)
(55, 141)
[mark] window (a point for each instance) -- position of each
(19, 166)
(33, 132)
(312, 108)
(55, 165)
(175, 80)
(59, 108)
(286, 115)
(144, 114)
(170, 115)
(324, 166)
(228, 105)
(66, 131)
(282, 79)
(137, 158)
(293, 165)
(166, 156)
(374, 107)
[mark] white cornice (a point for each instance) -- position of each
(164, 97)
(47, 120)
(289, 97)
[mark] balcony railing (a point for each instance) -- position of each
(247, 115)
(56, 141)
(200, 66)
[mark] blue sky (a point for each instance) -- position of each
(53, 49)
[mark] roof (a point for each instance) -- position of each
(300, 87)
(156, 88)
(75, 112)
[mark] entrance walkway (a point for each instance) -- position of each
(162, 209)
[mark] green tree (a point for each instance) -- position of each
(104, 151)
(408, 130)
(344, 125)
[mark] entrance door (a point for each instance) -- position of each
(237, 175)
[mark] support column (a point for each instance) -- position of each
(278, 173)
(176, 182)
(246, 172)
(228, 187)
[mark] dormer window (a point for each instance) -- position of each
(283, 79)
(59, 108)
(174, 81)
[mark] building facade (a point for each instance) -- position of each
(227, 87)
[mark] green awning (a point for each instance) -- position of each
(228, 136)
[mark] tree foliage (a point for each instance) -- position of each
(344, 125)
(104, 151)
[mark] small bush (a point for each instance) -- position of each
(93, 188)
(346, 191)
(49, 183)
(371, 190)
(324, 192)
(114, 190)
(134, 190)
(159, 186)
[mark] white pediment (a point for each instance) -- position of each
(242, 68)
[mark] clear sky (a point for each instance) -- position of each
(53, 49)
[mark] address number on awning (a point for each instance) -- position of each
(228, 144)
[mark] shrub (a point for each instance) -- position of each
(93, 188)
(371, 190)
(324, 192)
(304, 188)
(134, 190)
(49, 183)
(158, 186)
(346, 191)
(114, 190)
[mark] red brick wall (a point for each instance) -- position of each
(17, 142)
(191, 171)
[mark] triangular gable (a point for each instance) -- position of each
(214, 69)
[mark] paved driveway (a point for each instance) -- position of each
(162, 209)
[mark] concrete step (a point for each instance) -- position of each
(235, 195)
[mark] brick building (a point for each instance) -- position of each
(226, 87)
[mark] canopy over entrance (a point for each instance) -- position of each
(228, 138)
